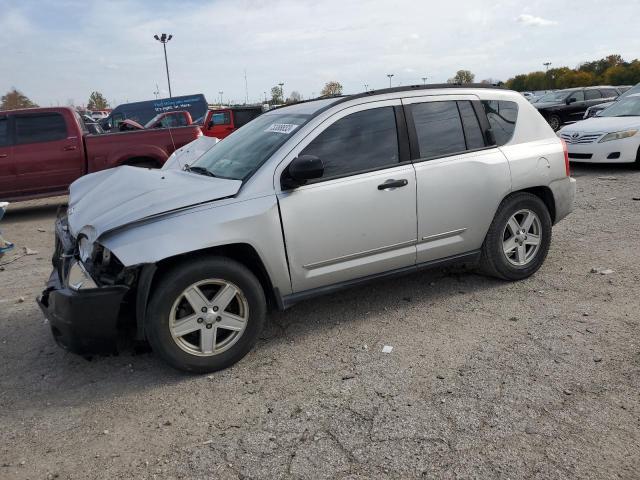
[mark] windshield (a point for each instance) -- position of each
(627, 107)
(631, 91)
(153, 120)
(554, 96)
(240, 154)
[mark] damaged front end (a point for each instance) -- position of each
(87, 294)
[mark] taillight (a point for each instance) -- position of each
(566, 157)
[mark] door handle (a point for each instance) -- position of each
(393, 184)
(69, 148)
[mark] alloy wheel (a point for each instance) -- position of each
(521, 238)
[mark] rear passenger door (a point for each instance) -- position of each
(460, 179)
(48, 155)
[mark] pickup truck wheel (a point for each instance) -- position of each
(206, 315)
(518, 239)
(555, 122)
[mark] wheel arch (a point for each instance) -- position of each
(546, 195)
(245, 254)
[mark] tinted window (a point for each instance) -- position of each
(361, 141)
(609, 93)
(4, 133)
(502, 117)
(592, 94)
(472, 130)
(578, 96)
(242, 117)
(438, 128)
(44, 127)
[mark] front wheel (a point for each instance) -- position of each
(206, 315)
(518, 239)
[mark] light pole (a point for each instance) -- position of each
(424, 80)
(366, 87)
(282, 92)
(220, 93)
(163, 39)
(389, 75)
(546, 65)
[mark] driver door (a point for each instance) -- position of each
(348, 224)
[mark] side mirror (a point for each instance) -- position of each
(211, 124)
(301, 169)
(571, 100)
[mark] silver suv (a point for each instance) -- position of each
(304, 200)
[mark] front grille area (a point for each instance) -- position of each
(583, 139)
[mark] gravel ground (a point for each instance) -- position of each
(537, 379)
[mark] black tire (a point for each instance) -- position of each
(170, 288)
(555, 122)
(493, 260)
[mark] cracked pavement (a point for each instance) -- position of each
(487, 379)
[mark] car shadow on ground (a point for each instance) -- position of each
(60, 376)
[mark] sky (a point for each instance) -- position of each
(58, 52)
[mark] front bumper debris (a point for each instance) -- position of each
(82, 321)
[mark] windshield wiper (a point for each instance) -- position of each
(199, 170)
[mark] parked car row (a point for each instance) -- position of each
(610, 137)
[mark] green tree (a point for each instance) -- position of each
(97, 102)
(276, 95)
(462, 76)
(331, 88)
(15, 99)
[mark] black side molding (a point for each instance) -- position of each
(287, 301)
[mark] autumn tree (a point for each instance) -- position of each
(331, 88)
(15, 99)
(462, 76)
(97, 102)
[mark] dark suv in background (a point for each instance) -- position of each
(565, 106)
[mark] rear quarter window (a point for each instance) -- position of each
(502, 116)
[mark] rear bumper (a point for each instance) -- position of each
(564, 195)
(84, 321)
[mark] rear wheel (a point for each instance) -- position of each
(206, 315)
(555, 122)
(518, 239)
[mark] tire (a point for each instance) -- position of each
(555, 122)
(517, 264)
(169, 307)
(143, 164)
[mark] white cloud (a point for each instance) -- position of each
(533, 21)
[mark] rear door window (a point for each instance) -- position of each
(359, 142)
(438, 128)
(609, 93)
(592, 95)
(472, 130)
(41, 127)
(4, 132)
(502, 116)
(220, 118)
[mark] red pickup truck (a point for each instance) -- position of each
(222, 122)
(43, 150)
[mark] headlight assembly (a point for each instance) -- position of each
(618, 135)
(78, 277)
(85, 248)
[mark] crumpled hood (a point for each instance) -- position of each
(603, 125)
(112, 198)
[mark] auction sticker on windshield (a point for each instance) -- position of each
(285, 128)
